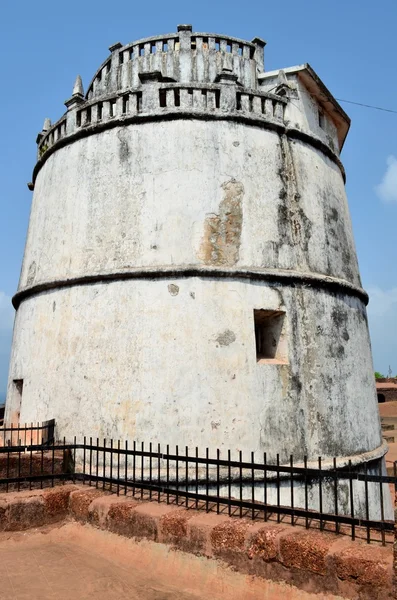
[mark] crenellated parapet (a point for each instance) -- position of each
(198, 75)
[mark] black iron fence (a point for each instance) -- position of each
(27, 435)
(349, 501)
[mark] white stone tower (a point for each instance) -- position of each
(190, 274)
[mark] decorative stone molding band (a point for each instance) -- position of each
(286, 278)
(91, 125)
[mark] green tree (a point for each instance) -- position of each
(379, 375)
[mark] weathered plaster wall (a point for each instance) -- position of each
(174, 361)
(188, 192)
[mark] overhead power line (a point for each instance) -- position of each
(367, 105)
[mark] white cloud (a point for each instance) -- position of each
(387, 189)
(382, 319)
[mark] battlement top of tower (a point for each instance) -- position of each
(202, 75)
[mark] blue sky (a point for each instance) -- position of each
(350, 43)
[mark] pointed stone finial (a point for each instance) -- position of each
(282, 78)
(47, 124)
(78, 87)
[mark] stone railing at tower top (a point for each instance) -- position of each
(160, 99)
(180, 75)
(184, 57)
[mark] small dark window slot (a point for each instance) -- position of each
(177, 98)
(228, 47)
(99, 76)
(121, 58)
(131, 53)
(78, 118)
(100, 110)
(238, 101)
(240, 51)
(163, 98)
(217, 45)
(205, 43)
(217, 98)
(139, 101)
(252, 53)
(141, 50)
(251, 103)
(193, 43)
(268, 326)
(125, 104)
(112, 108)
(108, 67)
(153, 49)
(88, 115)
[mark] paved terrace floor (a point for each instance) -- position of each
(77, 562)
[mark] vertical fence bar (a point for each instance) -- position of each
(31, 458)
(278, 487)
(118, 467)
(168, 473)
(142, 466)
(265, 487)
(241, 482)
(306, 492)
(111, 465)
(126, 468)
(206, 477)
(53, 463)
(84, 456)
(8, 468)
(382, 508)
(217, 480)
(197, 476)
(158, 471)
(336, 496)
(187, 475)
(229, 482)
(104, 463)
(351, 492)
(97, 462)
(177, 475)
(252, 485)
(150, 469)
(367, 503)
(74, 457)
(320, 491)
(41, 459)
(291, 464)
(90, 460)
(19, 462)
(133, 467)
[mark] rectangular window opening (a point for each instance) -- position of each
(217, 98)
(17, 399)
(217, 45)
(240, 51)
(205, 43)
(131, 53)
(163, 98)
(269, 339)
(108, 67)
(228, 47)
(125, 104)
(177, 98)
(121, 58)
(112, 108)
(88, 115)
(153, 48)
(100, 110)
(238, 101)
(78, 118)
(142, 50)
(165, 46)
(139, 101)
(193, 43)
